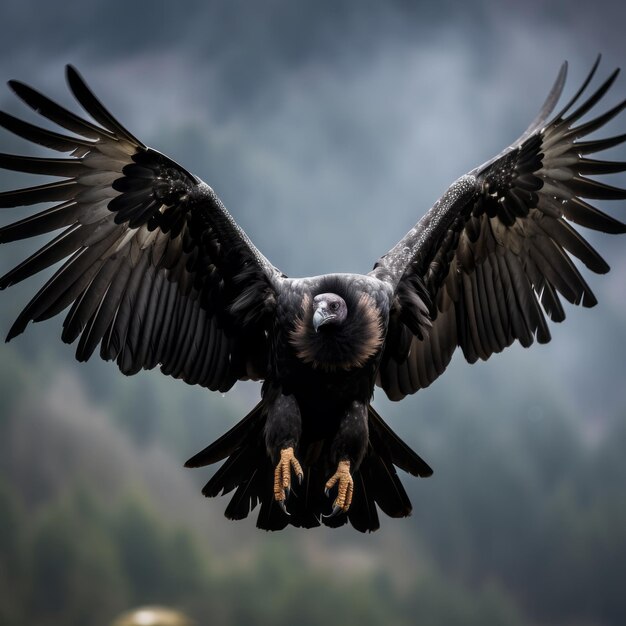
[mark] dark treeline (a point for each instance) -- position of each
(523, 521)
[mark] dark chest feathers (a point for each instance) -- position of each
(346, 346)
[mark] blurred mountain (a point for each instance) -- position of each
(510, 508)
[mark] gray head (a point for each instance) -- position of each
(338, 332)
(328, 309)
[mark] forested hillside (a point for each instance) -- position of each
(521, 523)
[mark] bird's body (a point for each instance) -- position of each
(316, 399)
(158, 273)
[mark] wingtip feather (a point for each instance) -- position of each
(15, 86)
(18, 328)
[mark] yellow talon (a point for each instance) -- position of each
(345, 487)
(282, 474)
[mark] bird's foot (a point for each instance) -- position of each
(345, 486)
(282, 476)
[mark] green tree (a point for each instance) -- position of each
(76, 576)
(12, 554)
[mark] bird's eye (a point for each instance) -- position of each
(334, 306)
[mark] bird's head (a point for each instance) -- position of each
(338, 331)
(329, 310)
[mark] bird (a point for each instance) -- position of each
(157, 273)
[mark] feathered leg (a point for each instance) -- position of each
(282, 434)
(347, 452)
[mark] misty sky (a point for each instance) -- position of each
(329, 128)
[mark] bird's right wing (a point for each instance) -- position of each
(493, 255)
(156, 271)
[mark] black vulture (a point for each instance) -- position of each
(156, 272)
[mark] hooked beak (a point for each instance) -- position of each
(321, 316)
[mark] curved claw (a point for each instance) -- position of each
(345, 487)
(336, 510)
(282, 476)
(281, 504)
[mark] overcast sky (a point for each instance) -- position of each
(320, 118)
(329, 128)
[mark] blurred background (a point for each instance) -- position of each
(318, 123)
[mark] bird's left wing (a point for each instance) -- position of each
(156, 271)
(494, 254)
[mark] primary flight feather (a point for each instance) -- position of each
(157, 272)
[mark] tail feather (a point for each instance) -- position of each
(308, 503)
(400, 453)
(237, 470)
(249, 472)
(363, 514)
(305, 504)
(271, 517)
(231, 440)
(386, 488)
(245, 498)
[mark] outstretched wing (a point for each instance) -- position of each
(493, 256)
(156, 271)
